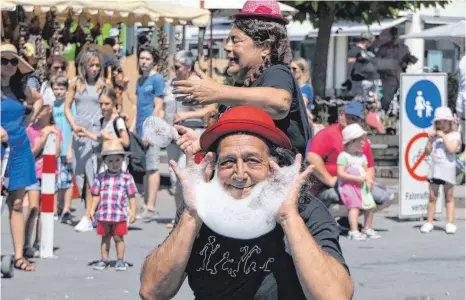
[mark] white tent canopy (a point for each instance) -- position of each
(115, 11)
(453, 31)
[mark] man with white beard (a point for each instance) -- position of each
(226, 238)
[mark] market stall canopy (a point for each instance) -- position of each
(453, 31)
(115, 11)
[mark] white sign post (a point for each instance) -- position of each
(420, 95)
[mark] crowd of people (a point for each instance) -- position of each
(236, 138)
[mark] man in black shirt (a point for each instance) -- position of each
(363, 71)
(281, 244)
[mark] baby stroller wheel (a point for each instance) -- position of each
(7, 266)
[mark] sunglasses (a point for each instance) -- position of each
(177, 67)
(59, 68)
(14, 61)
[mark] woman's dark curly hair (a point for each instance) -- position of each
(269, 33)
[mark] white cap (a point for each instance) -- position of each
(352, 132)
(114, 32)
(442, 113)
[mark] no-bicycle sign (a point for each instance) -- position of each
(420, 95)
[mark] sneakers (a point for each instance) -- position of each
(371, 234)
(100, 265)
(120, 265)
(450, 228)
(66, 218)
(84, 225)
(148, 215)
(356, 236)
(427, 227)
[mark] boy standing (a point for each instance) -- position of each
(112, 190)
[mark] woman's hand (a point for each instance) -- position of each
(4, 135)
(90, 215)
(106, 136)
(289, 208)
(179, 117)
(79, 131)
(188, 138)
(197, 92)
(190, 176)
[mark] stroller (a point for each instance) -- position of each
(6, 260)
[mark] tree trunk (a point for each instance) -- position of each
(319, 62)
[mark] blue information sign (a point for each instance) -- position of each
(421, 101)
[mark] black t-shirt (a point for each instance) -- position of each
(362, 70)
(295, 125)
(225, 268)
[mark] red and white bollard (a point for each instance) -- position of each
(48, 196)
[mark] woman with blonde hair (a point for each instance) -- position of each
(301, 72)
(84, 91)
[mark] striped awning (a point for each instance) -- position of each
(114, 11)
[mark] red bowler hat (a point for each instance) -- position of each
(244, 119)
(269, 9)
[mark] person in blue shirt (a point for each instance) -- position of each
(150, 91)
(59, 85)
(300, 69)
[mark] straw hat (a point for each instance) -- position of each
(113, 147)
(442, 113)
(9, 51)
(352, 132)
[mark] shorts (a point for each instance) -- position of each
(38, 186)
(436, 181)
(152, 159)
(112, 228)
(65, 174)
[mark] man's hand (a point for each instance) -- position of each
(189, 177)
(188, 138)
(289, 208)
(369, 181)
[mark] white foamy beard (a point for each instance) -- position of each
(247, 218)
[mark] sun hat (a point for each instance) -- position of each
(354, 108)
(352, 132)
(442, 113)
(113, 147)
(244, 119)
(269, 9)
(9, 51)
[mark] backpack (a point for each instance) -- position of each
(136, 148)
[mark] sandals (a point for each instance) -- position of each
(24, 265)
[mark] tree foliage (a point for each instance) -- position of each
(358, 11)
(323, 14)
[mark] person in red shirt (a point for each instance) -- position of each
(323, 152)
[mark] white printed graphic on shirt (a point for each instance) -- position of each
(245, 264)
